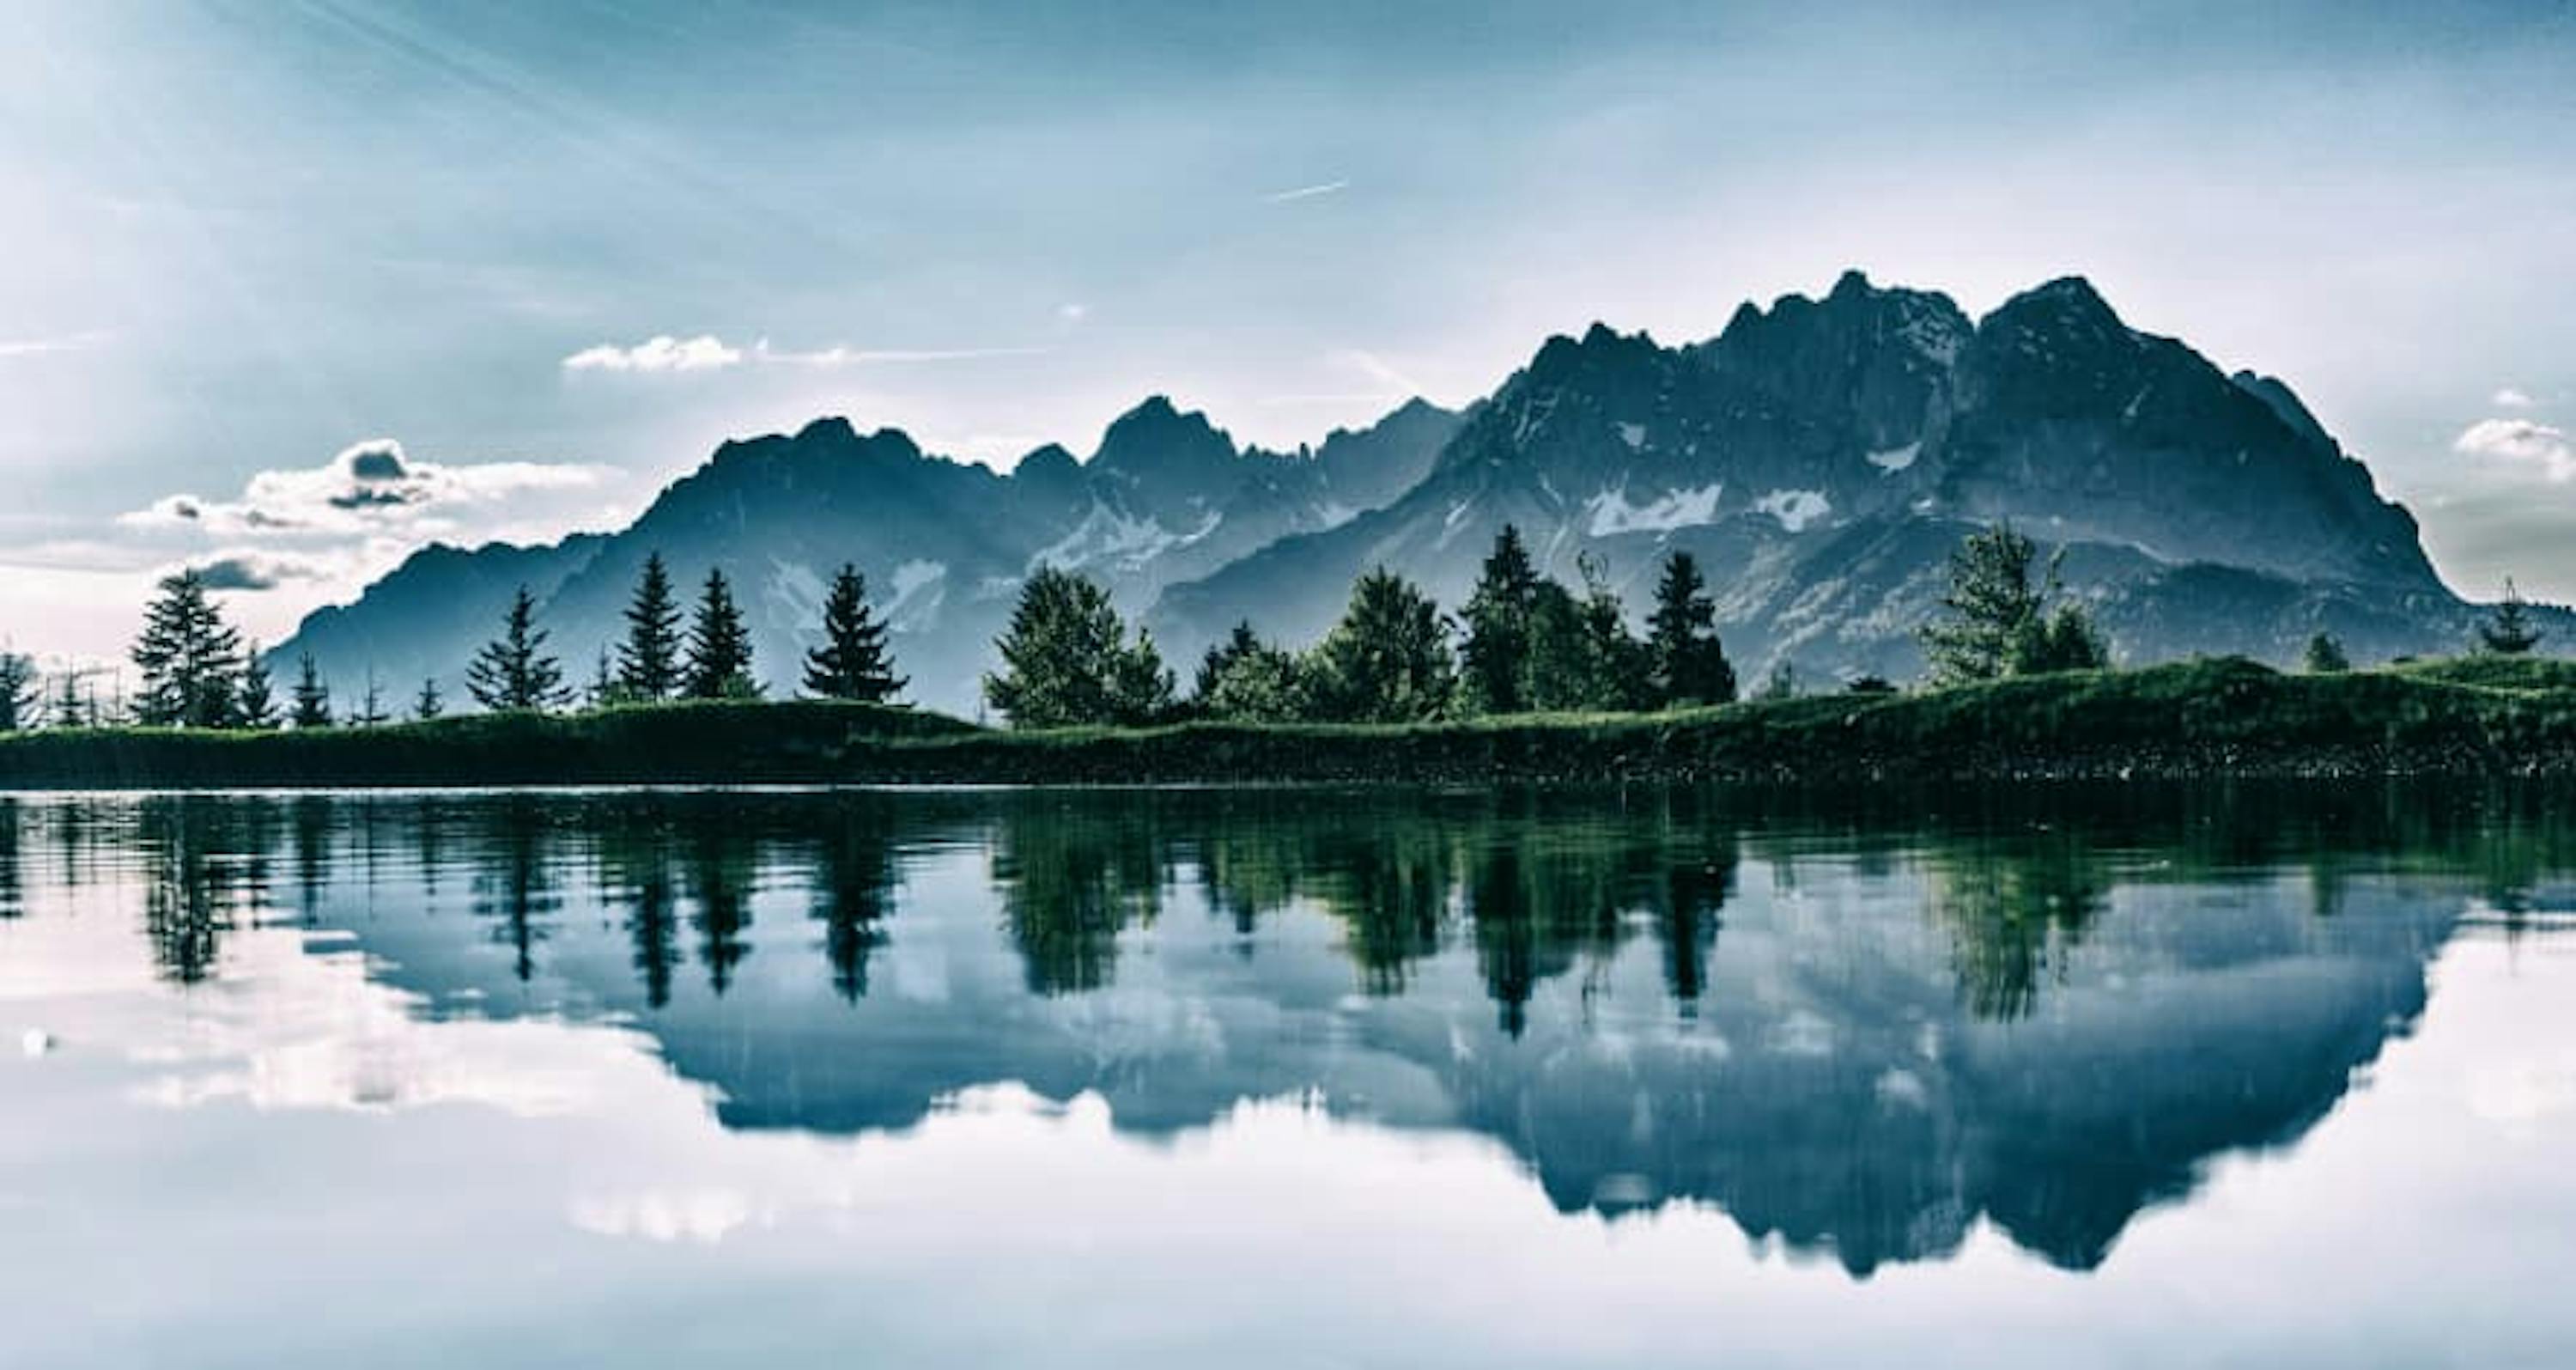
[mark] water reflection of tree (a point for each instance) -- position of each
(1072, 876)
(637, 868)
(854, 880)
(13, 895)
(2014, 907)
(723, 868)
(514, 880)
(205, 869)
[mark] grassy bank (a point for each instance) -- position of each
(2475, 717)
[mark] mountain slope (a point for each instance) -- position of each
(1821, 457)
(943, 544)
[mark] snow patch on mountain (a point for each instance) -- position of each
(1896, 459)
(1633, 434)
(1107, 536)
(1795, 509)
(1612, 513)
(918, 590)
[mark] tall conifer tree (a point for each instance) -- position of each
(852, 662)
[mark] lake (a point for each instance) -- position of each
(2146, 1076)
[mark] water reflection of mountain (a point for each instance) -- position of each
(1860, 1030)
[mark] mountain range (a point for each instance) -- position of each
(1821, 458)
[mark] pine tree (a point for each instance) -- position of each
(257, 705)
(311, 698)
(648, 661)
(1388, 660)
(719, 646)
(1999, 622)
(69, 711)
(512, 672)
(1616, 671)
(428, 704)
(18, 691)
(1494, 657)
(2508, 630)
(190, 659)
(1066, 660)
(1687, 663)
(1246, 680)
(852, 662)
(604, 689)
(371, 704)
(2324, 656)
(1140, 688)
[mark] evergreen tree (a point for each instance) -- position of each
(1687, 663)
(513, 672)
(1782, 683)
(18, 691)
(1060, 654)
(371, 704)
(2508, 630)
(719, 665)
(2064, 641)
(311, 698)
(69, 711)
(852, 662)
(190, 659)
(2324, 656)
(1246, 680)
(1140, 688)
(648, 661)
(257, 705)
(1388, 660)
(1494, 657)
(1582, 658)
(1999, 622)
(604, 689)
(428, 704)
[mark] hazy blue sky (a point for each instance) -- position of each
(243, 238)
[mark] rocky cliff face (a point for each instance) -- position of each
(1821, 457)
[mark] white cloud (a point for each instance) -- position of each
(2521, 440)
(836, 356)
(663, 353)
(2510, 398)
(1281, 197)
(1072, 313)
(48, 347)
(370, 487)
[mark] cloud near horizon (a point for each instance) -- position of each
(370, 488)
(2522, 441)
(255, 570)
(658, 354)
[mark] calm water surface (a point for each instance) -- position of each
(1291, 1078)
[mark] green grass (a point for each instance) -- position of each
(2483, 716)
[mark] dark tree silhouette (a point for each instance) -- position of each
(1066, 660)
(648, 661)
(1388, 660)
(1493, 660)
(1688, 661)
(312, 698)
(256, 704)
(2508, 630)
(190, 659)
(852, 662)
(513, 673)
(17, 692)
(719, 665)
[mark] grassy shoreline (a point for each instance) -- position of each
(2221, 718)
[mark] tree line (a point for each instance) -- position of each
(1521, 643)
(195, 670)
